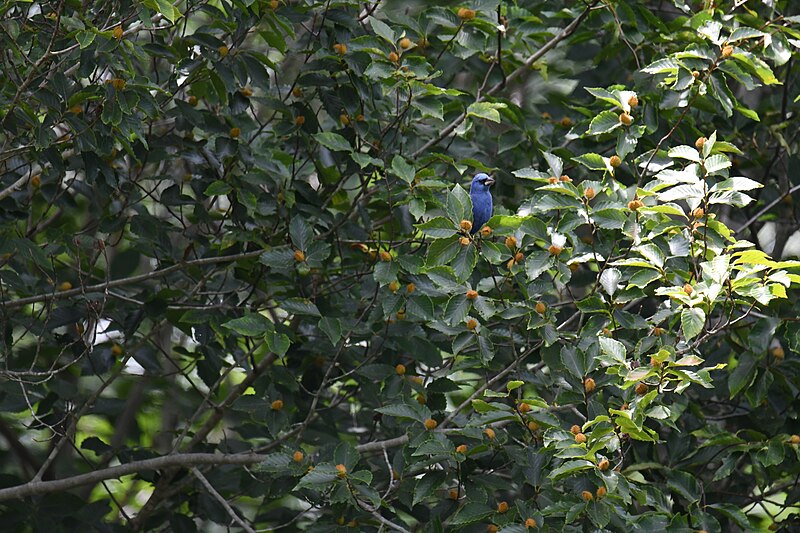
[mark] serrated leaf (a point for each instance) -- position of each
(685, 152)
(487, 110)
(604, 122)
(591, 161)
(459, 204)
(692, 322)
(438, 228)
(250, 325)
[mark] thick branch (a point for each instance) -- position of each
(102, 287)
(36, 488)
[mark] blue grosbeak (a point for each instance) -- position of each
(481, 201)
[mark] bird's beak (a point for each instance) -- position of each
(489, 181)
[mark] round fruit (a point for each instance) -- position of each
(626, 119)
(554, 249)
(580, 438)
(118, 33)
(700, 142)
(688, 289)
(297, 92)
(405, 43)
(658, 331)
(502, 507)
(695, 74)
(794, 439)
(466, 14)
(116, 350)
(574, 266)
(298, 456)
(588, 385)
(575, 429)
(247, 92)
(461, 448)
(566, 122)
(491, 528)
(641, 389)
(340, 49)
(65, 286)
(385, 256)
(530, 523)
(541, 307)
(533, 426)
(634, 205)
(472, 324)
(778, 353)
(472, 294)
(344, 119)
(486, 231)
(614, 161)
(552, 180)
(518, 257)
(394, 286)
(410, 288)
(465, 225)
(299, 120)
(393, 57)
(421, 399)
(464, 241)
(565, 179)
(277, 405)
(511, 242)
(341, 470)
(698, 213)
(299, 256)
(603, 464)
(234, 133)
(400, 369)
(587, 496)
(601, 491)
(36, 181)
(633, 101)
(727, 51)
(430, 424)
(524, 407)
(223, 50)
(490, 434)
(588, 193)
(453, 494)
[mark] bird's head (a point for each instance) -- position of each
(481, 182)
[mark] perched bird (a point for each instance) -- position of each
(481, 201)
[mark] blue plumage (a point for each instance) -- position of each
(481, 201)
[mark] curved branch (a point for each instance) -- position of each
(102, 287)
(35, 488)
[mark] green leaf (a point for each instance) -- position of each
(402, 169)
(604, 122)
(250, 325)
(438, 228)
(591, 161)
(459, 204)
(692, 322)
(685, 152)
(382, 30)
(333, 141)
(486, 110)
(85, 38)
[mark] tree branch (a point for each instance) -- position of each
(102, 287)
(36, 488)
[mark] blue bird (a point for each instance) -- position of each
(481, 201)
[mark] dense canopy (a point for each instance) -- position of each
(241, 284)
